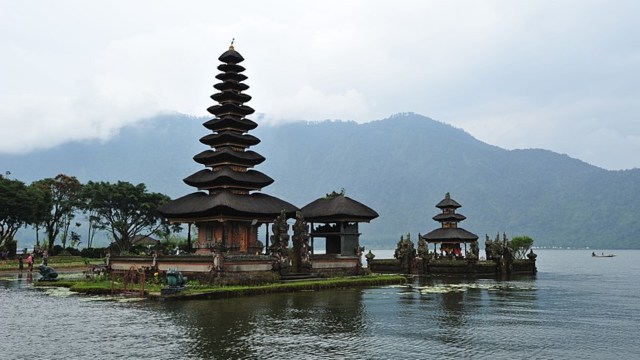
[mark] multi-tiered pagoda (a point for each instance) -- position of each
(449, 235)
(228, 207)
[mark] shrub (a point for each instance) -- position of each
(520, 245)
(93, 253)
(57, 249)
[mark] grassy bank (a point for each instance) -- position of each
(56, 262)
(311, 285)
(97, 286)
(195, 291)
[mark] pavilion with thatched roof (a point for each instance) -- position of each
(338, 216)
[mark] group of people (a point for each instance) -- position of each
(30, 260)
(450, 250)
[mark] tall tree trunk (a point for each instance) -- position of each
(37, 235)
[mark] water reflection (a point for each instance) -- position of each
(459, 307)
(451, 314)
(444, 318)
(246, 327)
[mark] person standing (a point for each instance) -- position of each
(30, 262)
(45, 258)
(20, 263)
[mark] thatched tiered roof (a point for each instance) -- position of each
(448, 219)
(338, 208)
(229, 188)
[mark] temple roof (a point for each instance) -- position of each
(226, 204)
(228, 156)
(231, 56)
(449, 232)
(229, 85)
(231, 109)
(227, 178)
(450, 235)
(449, 217)
(231, 96)
(233, 76)
(231, 68)
(338, 208)
(230, 122)
(448, 202)
(229, 138)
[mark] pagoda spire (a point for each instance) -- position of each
(228, 186)
(228, 161)
(449, 231)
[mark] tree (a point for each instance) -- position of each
(20, 205)
(15, 211)
(90, 214)
(520, 245)
(125, 210)
(75, 239)
(42, 208)
(62, 193)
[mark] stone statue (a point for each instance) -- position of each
(370, 256)
(503, 254)
(473, 252)
(488, 247)
(507, 259)
(359, 251)
(280, 237)
(423, 259)
(175, 278)
(405, 252)
(218, 263)
(396, 253)
(218, 246)
(47, 272)
(423, 248)
(279, 248)
(300, 257)
(497, 248)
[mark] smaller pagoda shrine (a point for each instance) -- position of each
(450, 236)
(455, 251)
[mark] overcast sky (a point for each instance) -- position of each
(558, 75)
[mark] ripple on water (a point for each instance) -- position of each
(559, 314)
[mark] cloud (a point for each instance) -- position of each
(581, 128)
(316, 105)
(556, 75)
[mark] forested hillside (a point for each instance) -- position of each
(400, 166)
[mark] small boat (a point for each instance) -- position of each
(602, 255)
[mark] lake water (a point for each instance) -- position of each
(577, 307)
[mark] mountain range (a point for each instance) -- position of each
(401, 166)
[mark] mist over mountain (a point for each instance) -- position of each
(400, 166)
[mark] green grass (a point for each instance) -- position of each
(103, 286)
(99, 285)
(61, 262)
(213, 292)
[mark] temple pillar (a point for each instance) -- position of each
(266, 238)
